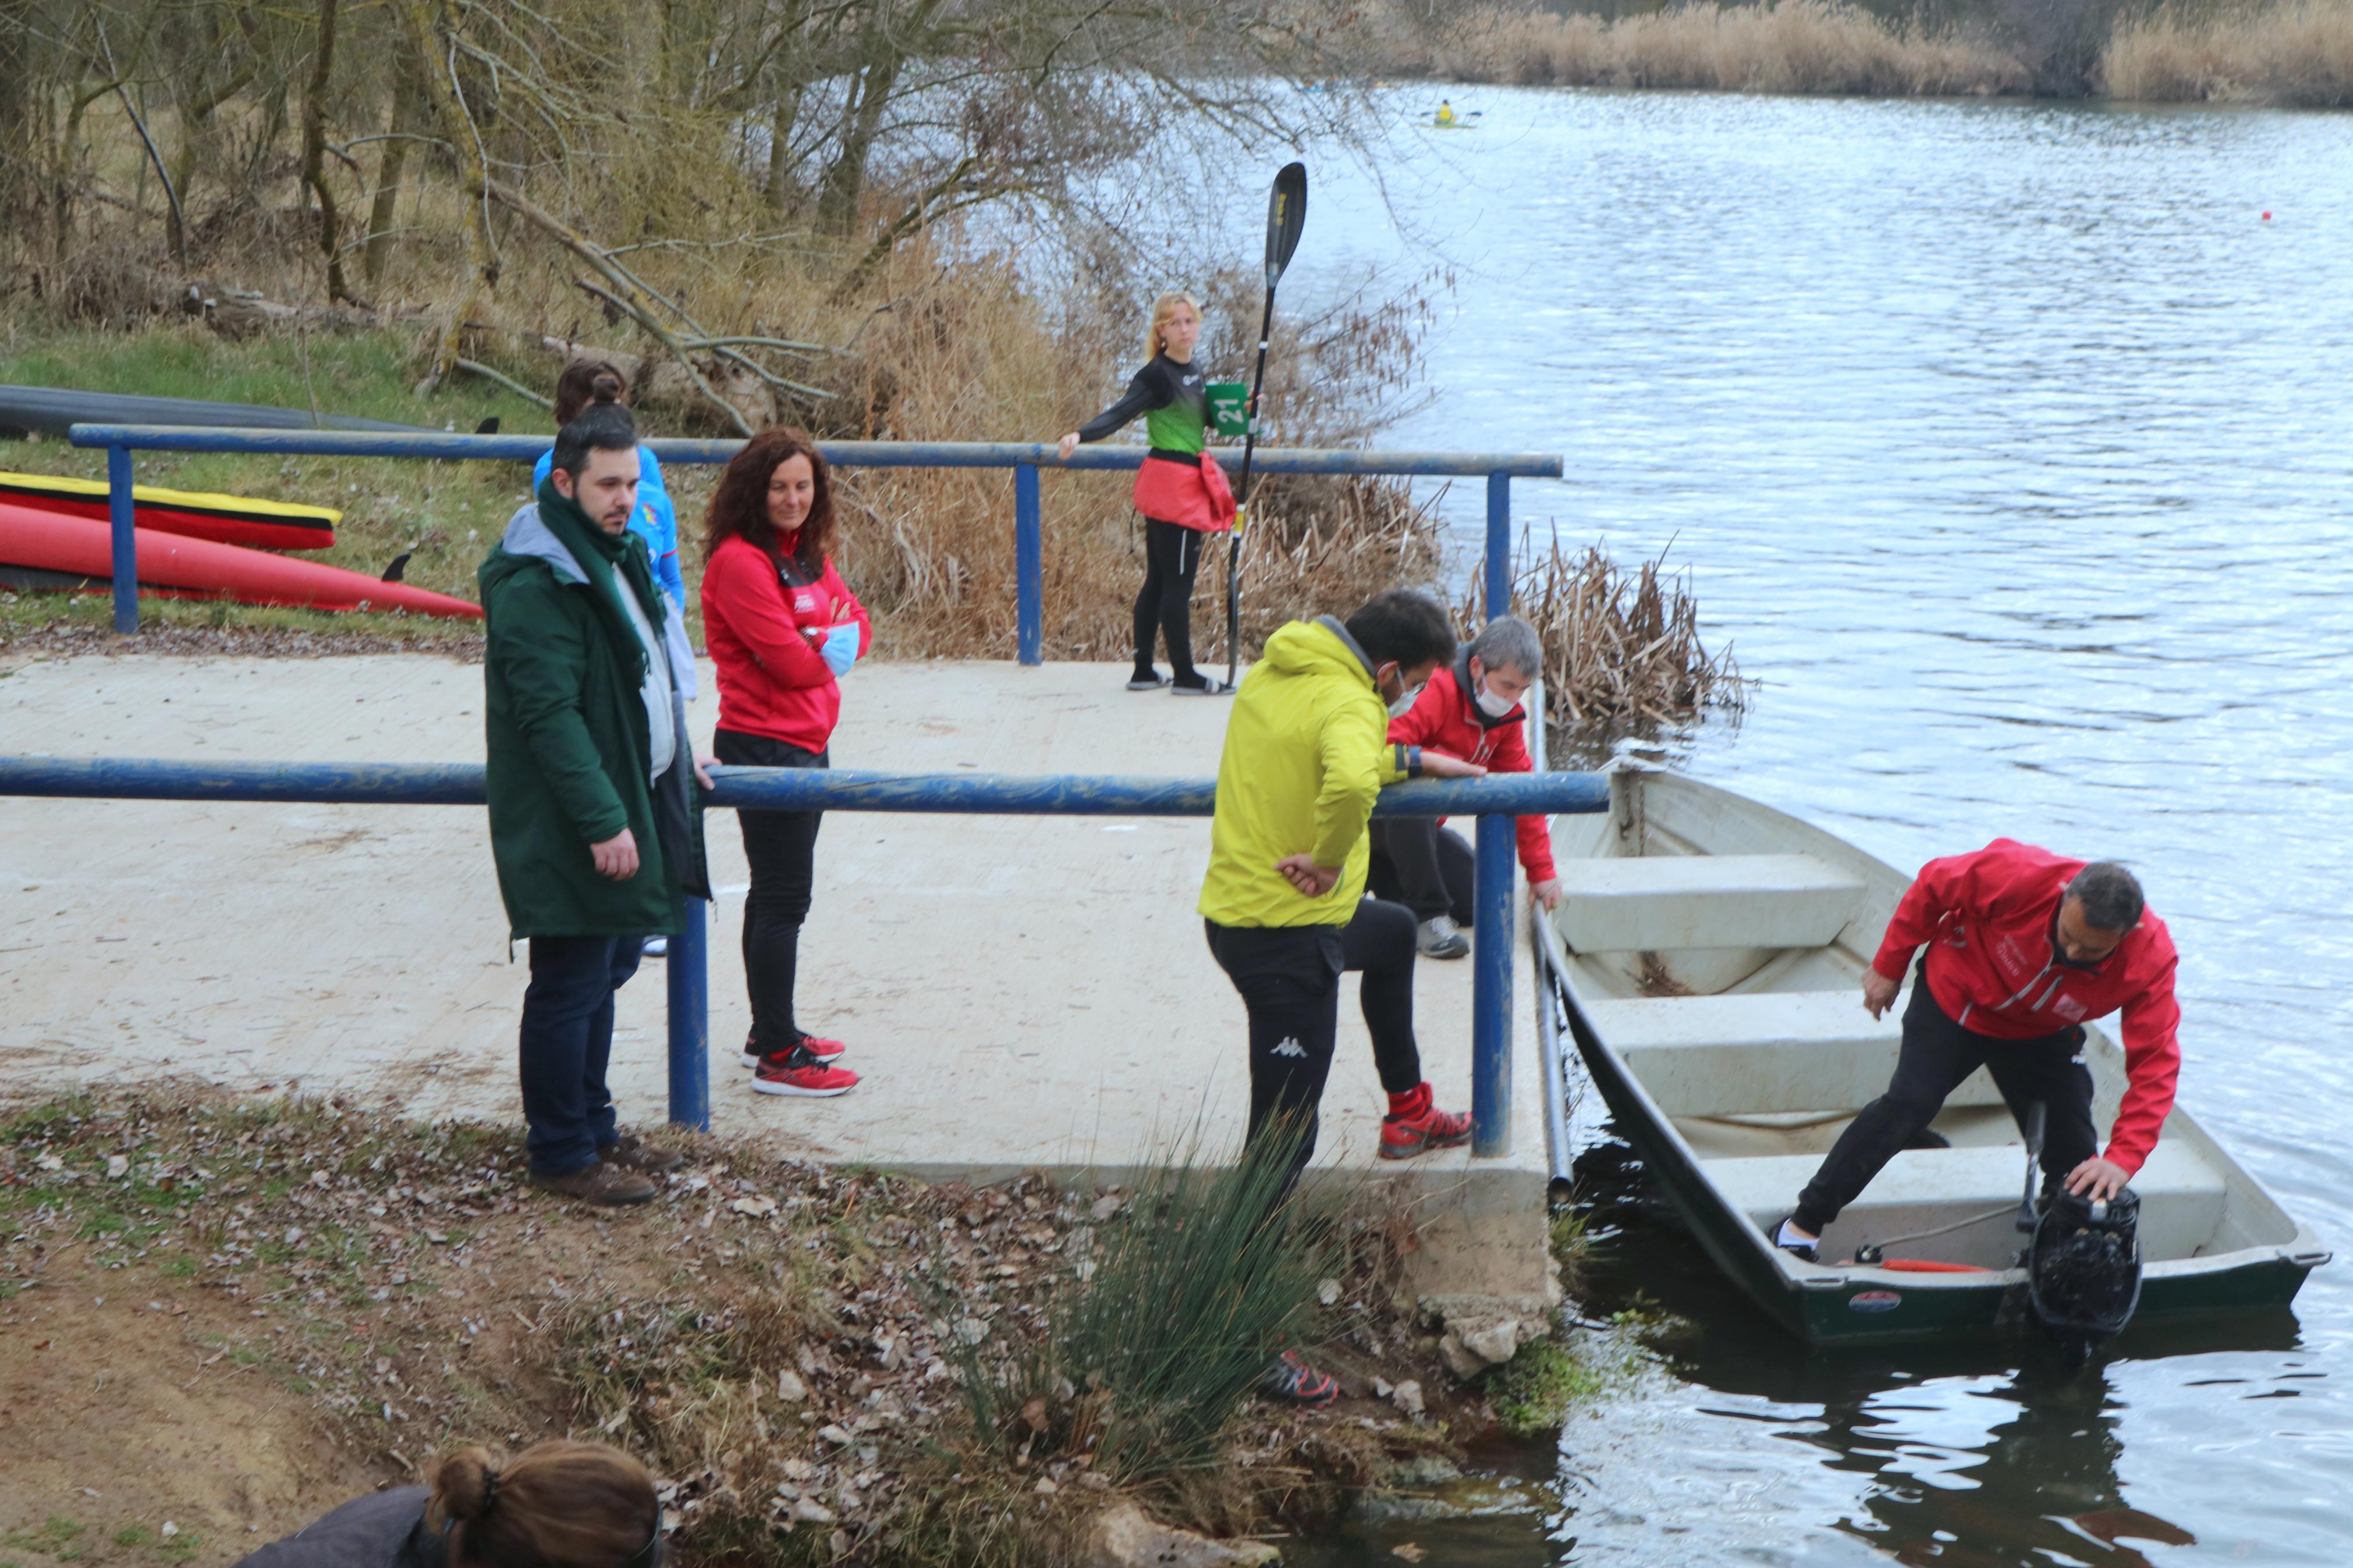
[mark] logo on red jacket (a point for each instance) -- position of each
(804, 602)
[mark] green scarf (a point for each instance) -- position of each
(603, 556)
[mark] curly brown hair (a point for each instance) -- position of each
(739, 503)
(559, 1505)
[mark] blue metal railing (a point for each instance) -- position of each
(1494, 800)
(1024, 458)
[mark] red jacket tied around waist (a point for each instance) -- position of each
(1443, 718)
(1194, 496)
(764, 633)
(1994, 967)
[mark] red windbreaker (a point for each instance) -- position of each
(1994, 967)
(1444, 718)
(764, 635)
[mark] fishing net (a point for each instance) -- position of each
(2084, 1269)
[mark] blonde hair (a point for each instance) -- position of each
(1162, 309)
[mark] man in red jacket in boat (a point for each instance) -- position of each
(2024, 948)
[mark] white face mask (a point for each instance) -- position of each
(1493, 706)
(1398, 709)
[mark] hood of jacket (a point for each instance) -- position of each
(528, 537)
(1320, 646)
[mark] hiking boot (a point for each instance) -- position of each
(823, 1050)
(803, 1074)
(1796, 1246)
(1293, 1380)
(632, 1153)
(1439, 937)
(608, 1186)
(1403, 1137)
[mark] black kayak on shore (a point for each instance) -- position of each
(53, 411)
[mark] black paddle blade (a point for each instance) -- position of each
(1286, 215)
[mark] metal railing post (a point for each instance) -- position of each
(689, 1020)
(126, 538)
(1493, 931)
(1028, 566)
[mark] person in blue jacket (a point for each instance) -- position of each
(584, 383)
(591, 381)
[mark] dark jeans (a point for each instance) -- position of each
(780, 847)
(1289, 977)
(567, 1040)
(1172, 557)
(1937, 1054)
(1429, 869)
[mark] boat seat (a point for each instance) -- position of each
(1664, 902)
(1771, 1051)
(2180, 1194)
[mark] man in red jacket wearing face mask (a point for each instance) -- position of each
(2024, 948)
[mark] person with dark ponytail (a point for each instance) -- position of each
(584, 384)
(560, 1505)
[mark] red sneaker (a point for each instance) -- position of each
(802, 1074)
(1292, 1379)
(1403, 1137)
(823, 1050)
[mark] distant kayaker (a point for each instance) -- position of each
(783, 628)
(1445, 115)
(1181, 490)
(1471, 711)
(2025, 947)
(595, 824)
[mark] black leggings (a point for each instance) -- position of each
(1172, 557)
(1429, 869)
(1289, 977)
(780, 847)
(1937, 1054)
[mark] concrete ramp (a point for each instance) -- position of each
(1016, 992)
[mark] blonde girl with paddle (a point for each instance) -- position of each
(1181, 490)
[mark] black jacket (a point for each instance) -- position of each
(384, 1529)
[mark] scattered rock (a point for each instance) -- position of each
(1382, 1388)
(1328, 1291)
(759, 1205)
(116, 1164)
(1407, 1396)
(789, 1387)
(1104, 1207)
(1483, 1331)
(1124, 1536)
(971, 1331)
(811, 1512)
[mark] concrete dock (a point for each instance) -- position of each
(1016, 993)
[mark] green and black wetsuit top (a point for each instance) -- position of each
(1175, 402)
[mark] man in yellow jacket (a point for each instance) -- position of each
(1306, 752)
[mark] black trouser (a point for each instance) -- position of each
(1938, 1054)
(566, 1040)
(1289, 977)
(1429, 869)
(780, 847)
(1172, 557)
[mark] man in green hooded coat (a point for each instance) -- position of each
(595, 821)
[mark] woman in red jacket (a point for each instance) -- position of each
(783, 628)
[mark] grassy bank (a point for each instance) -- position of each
(2296, 53)
(227, 1316)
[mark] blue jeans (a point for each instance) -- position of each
(567, 1038)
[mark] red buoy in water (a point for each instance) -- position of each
(2268, 217)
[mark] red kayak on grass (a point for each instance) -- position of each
(224, 520)
(48, 549)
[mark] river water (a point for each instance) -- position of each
(2006, 445)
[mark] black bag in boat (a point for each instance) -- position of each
(2082, 1270)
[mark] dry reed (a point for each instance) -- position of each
(2297, 54)
(1622, 649)
(1788, 47)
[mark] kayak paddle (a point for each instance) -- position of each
(1286, 214)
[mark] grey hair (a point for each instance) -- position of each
(2110, 896)
(1509, 643)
